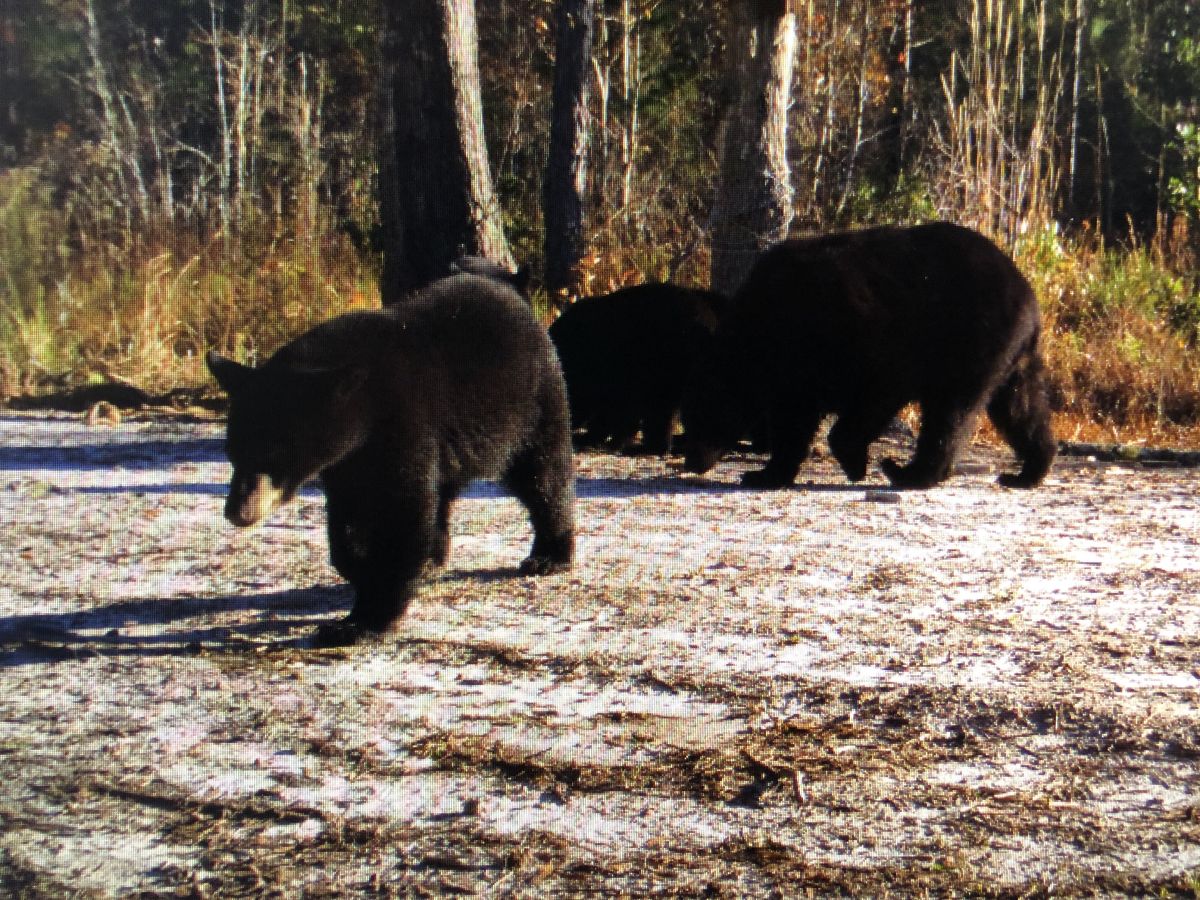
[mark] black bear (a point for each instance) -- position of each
(397, 411)
(626, 357)
(861, 323)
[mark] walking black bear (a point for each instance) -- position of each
(626, 357)
(861, 323)
(397, 410)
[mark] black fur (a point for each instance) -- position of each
(626, 357)
(489, 268)
(858, 325)
(397, 411)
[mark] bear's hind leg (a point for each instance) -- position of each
(1020, 410)
(945, 428)
(346, 548)
(543, 480)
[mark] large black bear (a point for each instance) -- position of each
(397, 410)
(858, 325)
(627, 356)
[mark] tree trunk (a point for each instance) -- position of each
(1076, 92)
(899, 95)
(436, 196)
(863, 91)
(566, 173)
(753, 206)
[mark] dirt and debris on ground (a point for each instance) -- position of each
(835, 689)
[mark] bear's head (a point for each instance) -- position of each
(286, 425)
(712, 415)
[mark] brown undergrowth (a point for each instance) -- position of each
(1121, 324)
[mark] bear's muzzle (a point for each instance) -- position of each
(252, 498)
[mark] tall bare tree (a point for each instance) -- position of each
(754, 200)
(1076, 94)
(566, 172)
(437, 201)
(898, 98)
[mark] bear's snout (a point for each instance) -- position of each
(251, 499)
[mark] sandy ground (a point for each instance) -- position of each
(832, 690)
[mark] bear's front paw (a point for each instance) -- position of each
(765, 479)
(1020, 480)
(542, 565)
(903, 477)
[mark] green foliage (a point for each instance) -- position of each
(908, 202)
(1121, 332)
(1134, 280)
(1140, 112)
(1094, 286)
(33, 259)
(1183, 188)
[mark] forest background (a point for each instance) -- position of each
(195, 174)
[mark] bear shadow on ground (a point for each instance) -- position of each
(39, 638)
(197, 489)
(127, 455)
(585, 488)
(591, 488)
(611, 488)
(207, 489)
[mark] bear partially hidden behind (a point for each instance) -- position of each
(862, 323)
(397, 411)
(626, 357)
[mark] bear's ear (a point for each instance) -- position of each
(520, 278)
(231, 376)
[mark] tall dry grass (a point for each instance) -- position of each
(146, 316)
(998, 136)
(1122, 324)
(1122, 337)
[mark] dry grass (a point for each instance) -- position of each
(1122, 326)
(126, 311)
(1121, 330)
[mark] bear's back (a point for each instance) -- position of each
(469, 322)
(638, 316)
(638, 340)
(927, 279)
(464, 356)
(917, 305)
(462, 320)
